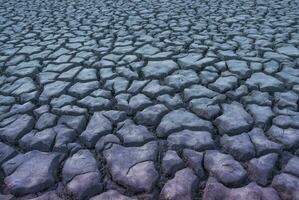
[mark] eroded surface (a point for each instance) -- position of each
(154, 99)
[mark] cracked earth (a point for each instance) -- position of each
(153, 99)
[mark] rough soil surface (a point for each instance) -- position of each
(149, 99)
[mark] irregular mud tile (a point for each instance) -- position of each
(285, 121)
(238, 67)
(190, 61)
(53, 90)
(38, 140)
(173, 102)
(264, 83)
(238, 146)
(80, 90)
(234, 119)
(151, 115)
(257, 97)
(194, 160)
(46, 120)
(114, 115)
(237, 93)
(81, 162)
(207, 77)
(181, 186)
(87, 75)
(136, 86)
(181, 79)
(70, 74)
(133, 167)
(287, 99)
(216, 190)
(139, 102)
(262, 115)
(205, 108)
(289, 75)
(275, 56)
(97, 127)
(94, 103)
(77, 123)
(6, 152)
(292, 166)
(181, 119)
(41, 110)
(6, 100)
(105, 142)
(62, 100)
(159, 69)
(261, 169)
(147, 50)
(289, 137)
(31, 172)
(197, 140)
(132, 134)
(289, 50)
(224, 168)
(198, 91)
(20, 86)
(271, 67)
(84, 186)
(17, 128)
(262, 144)
(154, 89)
(224, 84)
(286, 185)
(24, 68)
(64, 136)
(118, 84)
(171, 163)
(253, 191)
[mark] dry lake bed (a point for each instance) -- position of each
(149, 99)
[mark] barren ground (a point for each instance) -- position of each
(149, 99)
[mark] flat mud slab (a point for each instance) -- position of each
(149, 99)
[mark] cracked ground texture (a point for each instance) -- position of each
(149, 99)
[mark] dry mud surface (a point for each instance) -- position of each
(149, 99)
